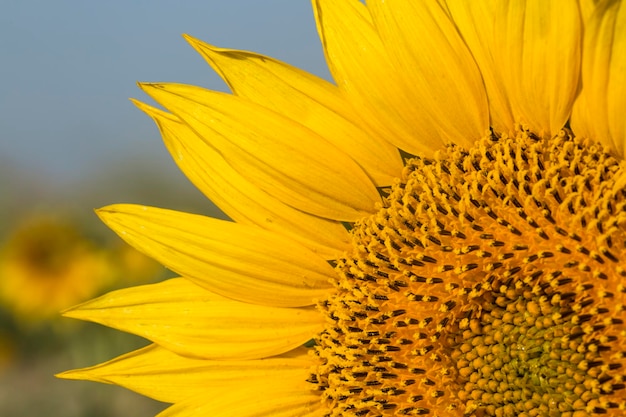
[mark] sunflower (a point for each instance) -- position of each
(441, 232)
(47, 264)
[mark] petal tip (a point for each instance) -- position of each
(79, 312)
(67, 375)
(80, 375)
(147, 86)
(190, 39)
(151, 111)
(137, 103)
(103, 211)
(207, 51)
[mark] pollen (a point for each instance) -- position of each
(489, 283)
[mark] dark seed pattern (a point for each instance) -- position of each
(491, 283)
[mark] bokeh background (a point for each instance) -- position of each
(71, 141)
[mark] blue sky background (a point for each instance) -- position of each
(68, 68)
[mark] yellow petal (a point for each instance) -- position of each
(539, 44)
(242, 262)
(269, 399)
(306, 99)
(280, 156)
(361, 68)
(194, 322)
(439, 73)
(165, 376)
(587, 7)
(599, 110)
(616, 94)
(241, 200)
(475, 21)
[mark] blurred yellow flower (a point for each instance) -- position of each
(447, 222)
(46, 265)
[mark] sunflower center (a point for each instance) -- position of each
(490, 283)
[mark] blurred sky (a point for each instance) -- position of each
(68, 67)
